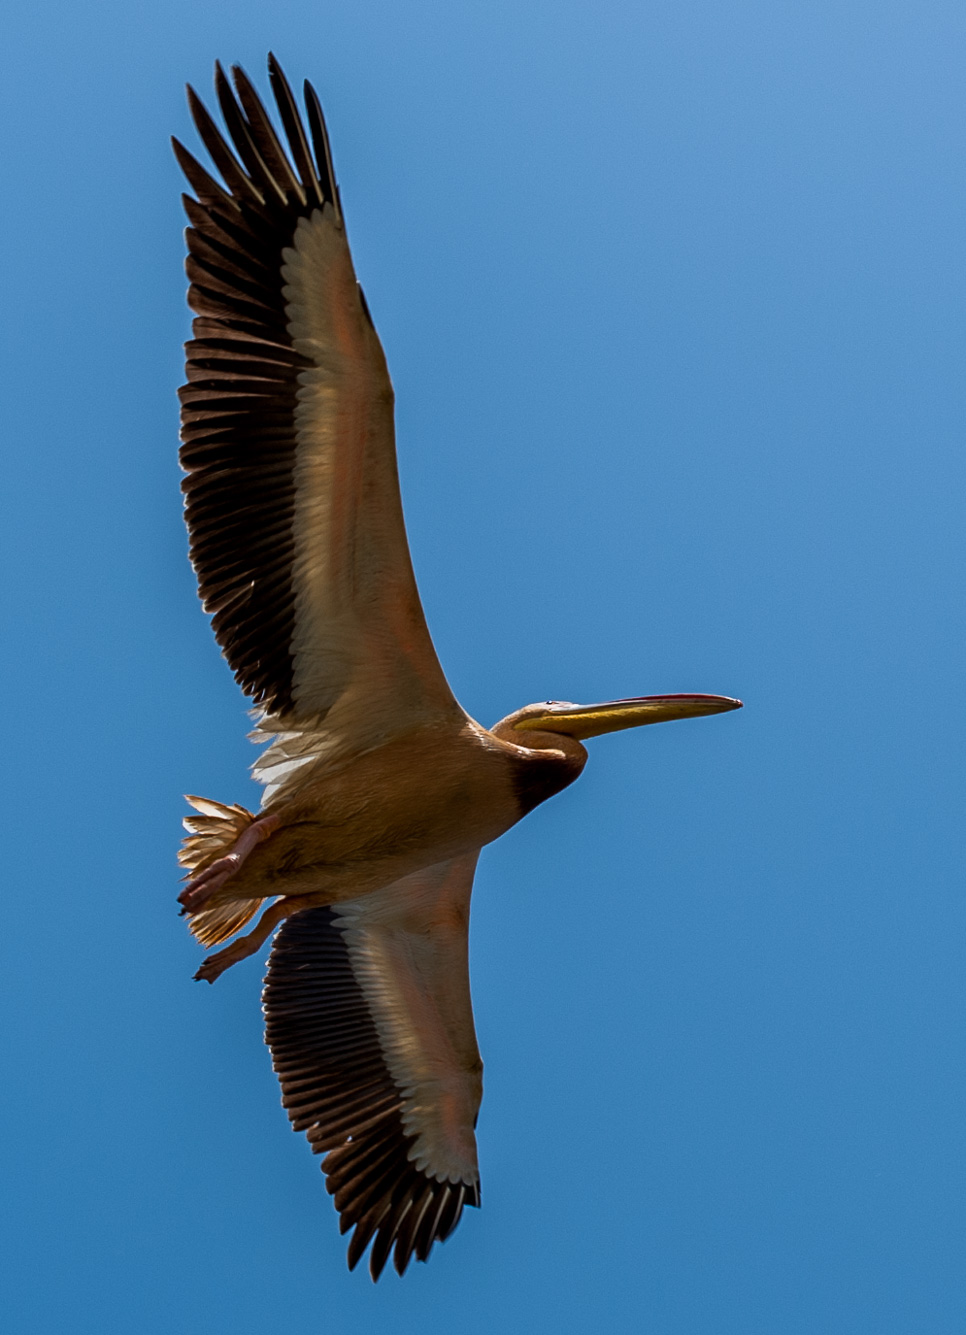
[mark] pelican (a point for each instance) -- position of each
(379, 789)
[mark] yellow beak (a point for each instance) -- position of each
(582, 721)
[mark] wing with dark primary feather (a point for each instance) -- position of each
(370, 1024)
(292, 497)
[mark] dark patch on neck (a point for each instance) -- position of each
(540, 774)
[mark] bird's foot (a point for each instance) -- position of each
(200, 888)
(216, 964)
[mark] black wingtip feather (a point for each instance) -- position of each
(382, 1248)
(265, 142)
(295, 133)
(323, 151)
(240, 184)
(205, 187)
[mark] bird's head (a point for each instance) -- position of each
(551, 735)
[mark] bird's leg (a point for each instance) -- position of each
(215, 965)
(201, 887)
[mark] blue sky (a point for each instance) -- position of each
(673, 298)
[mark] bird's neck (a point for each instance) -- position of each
(541, 764)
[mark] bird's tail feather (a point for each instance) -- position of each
(212, 926)
(210, 835)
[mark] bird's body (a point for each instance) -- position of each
(433, 793)
(380, 790)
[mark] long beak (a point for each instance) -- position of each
(582, 721)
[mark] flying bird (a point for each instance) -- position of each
(380, 790)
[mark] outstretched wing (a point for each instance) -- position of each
(293, 504)
(369, 1020)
